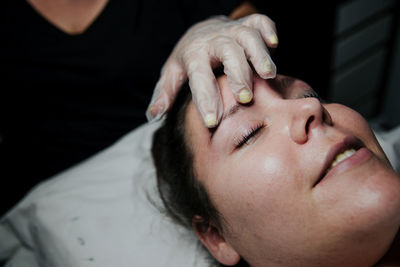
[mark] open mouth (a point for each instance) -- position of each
(339, 153)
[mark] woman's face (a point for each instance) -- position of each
(268, 170)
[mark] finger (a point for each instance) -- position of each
(205, 90)
(236, 67)
(166, 89)
(256, 51)
(265, 26)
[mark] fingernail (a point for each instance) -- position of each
(245, 96)
(273, 39)
(153, 113)
(210, 120)
(267, 67)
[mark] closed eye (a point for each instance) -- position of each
(249, 136)
(311, 93)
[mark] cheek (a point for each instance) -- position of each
(347, 118)
(352, 122)
(255, 188)
(262, 202)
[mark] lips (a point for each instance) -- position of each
(350, 143)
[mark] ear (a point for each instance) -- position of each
(213, 240)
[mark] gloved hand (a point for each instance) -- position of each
(205, 46)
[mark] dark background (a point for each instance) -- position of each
(305, 33)
(348, 51)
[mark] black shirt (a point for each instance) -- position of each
(65, 97)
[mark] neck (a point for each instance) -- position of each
(392, 256)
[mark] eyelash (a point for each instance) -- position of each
(246, 138)
(311, 94)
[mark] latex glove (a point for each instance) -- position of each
(205, 46)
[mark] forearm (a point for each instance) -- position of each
(244, 9)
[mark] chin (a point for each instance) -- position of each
(378, 215)
(363, 207)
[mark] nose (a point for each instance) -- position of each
(306, 114)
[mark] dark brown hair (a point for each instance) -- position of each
(182, 194)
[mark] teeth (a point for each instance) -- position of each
(342, 156)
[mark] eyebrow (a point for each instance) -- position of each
(230, 112)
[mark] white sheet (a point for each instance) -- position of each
(98, 214)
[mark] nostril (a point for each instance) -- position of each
(309, 122)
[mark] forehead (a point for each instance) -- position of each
(196, 134)
(225, 90)
(283, 86)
